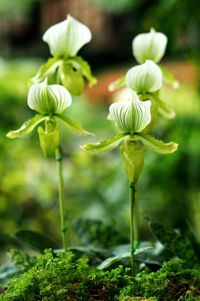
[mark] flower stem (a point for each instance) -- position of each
(63, 228)
(134, 219)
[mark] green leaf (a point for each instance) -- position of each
(156, 145)
(35, 240)
(104, 145)
(49, 137)
(71, 78)
(163, 107)
(119, 83)
(174, 241)
(27, 127)
(79, 63)
(73, 125)
(47, 69)
(169, 78)
(111, 260)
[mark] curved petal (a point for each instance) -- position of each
(104, 145)
(149, 46)
(48, 99)
(73, 125)
(67, 37)
(163, 108)
(131, 116)
(27, 127)
(156, 145)
(144, 78)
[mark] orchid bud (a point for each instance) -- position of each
(144, 78)
(131, 116)
(67, 37)
(149, 46)
(48, 99)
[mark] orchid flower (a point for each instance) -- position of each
(65, 39)
(131, 118)
(50, 102)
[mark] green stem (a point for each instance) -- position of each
(134, 216)
(63, 228)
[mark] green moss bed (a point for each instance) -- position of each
(59, 277)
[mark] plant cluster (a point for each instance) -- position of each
(62, 276)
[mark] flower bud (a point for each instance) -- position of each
(67, 37)
(149, 46)
(131, 116)
(48, 99)
(144, 78)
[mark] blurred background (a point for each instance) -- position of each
(96, 186)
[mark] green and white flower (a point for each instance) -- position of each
(65, 67)
(49, 101)
(149, 46)
(145, 78)
(67, 37)
(131, 116)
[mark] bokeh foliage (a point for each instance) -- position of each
(95, 186)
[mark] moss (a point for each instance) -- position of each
(172, 282)
(62, 277)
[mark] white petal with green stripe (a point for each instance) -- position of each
(149, 46)
(131, 116)
(144, 78)
(67, 37)
(48, 99)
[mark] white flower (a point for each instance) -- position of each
(149, 46)
(144, 78)
(67, 37)
(48, 99)
(131, 116)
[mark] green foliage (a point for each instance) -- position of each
(171, 282)
(62, 277)
(174, 242)
(98, 234)
(35, 240)
(70, 72)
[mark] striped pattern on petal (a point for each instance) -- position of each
(48, 99)
(149, 46)
(144, 78)
(131, 116)
(67, 37)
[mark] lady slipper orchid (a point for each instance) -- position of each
(131, 116)
(145, 78)
(67, 37)
(50, 101)
(149, 46)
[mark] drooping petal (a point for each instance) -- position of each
(27, 127)
(105, 145)
(144, 78)
(149, 46)
(156, 145)
(48, 99)
(67, 37)
(131, 116)
(73, 125)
